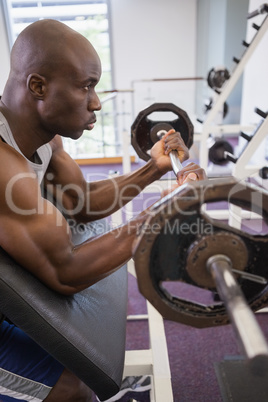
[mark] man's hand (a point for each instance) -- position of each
(172, 140)
(191, 172)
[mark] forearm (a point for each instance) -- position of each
(86, 202)
(107, 196)
(96, 258)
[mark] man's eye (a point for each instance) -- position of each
(90, 85)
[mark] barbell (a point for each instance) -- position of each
(145, 131)
(182, 257)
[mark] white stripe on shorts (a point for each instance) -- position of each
(19, 387)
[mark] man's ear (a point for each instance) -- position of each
(37, 85)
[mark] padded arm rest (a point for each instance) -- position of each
(84, 332)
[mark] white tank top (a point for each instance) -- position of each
(43, 154)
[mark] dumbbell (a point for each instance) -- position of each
(217, 150)
(263, 172)
(217, 76)
(209, 104)
(145, 131)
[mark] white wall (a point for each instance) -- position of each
(155, 39)
(4, 65)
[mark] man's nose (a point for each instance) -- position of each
(94, 103)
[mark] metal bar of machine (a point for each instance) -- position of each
(248, 332)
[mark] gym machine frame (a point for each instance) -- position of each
(228, 86)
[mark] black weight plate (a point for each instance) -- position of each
(216, 152)
(141, 138)
(178, 233)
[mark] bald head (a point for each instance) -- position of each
(53, 74)
(44, 47)
(45, 55)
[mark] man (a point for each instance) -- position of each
(50, 93)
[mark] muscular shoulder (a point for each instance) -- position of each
(18, 182)
(12, 162)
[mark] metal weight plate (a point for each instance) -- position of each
(144, 130)
(217, 148)
(217, 77)
(178, 238)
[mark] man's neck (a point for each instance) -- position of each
(28, 137)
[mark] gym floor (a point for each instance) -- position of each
(193, 353)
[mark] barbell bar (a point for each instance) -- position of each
(250, 338)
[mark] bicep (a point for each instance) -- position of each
(38, 244)
(34, 232)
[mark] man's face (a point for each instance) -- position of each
(70, 102)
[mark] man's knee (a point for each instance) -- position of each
(69, 389)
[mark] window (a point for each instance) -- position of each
(90, 18)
